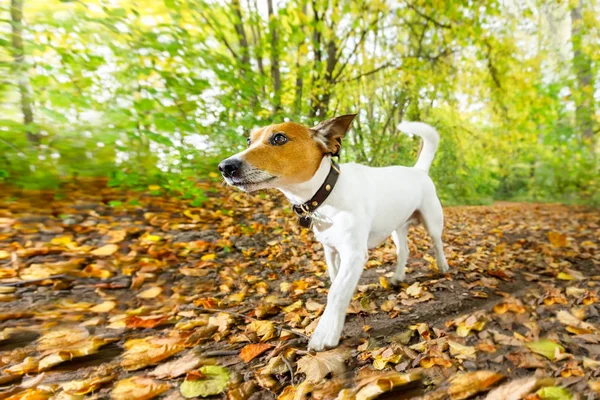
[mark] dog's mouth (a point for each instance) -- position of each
(247, 184)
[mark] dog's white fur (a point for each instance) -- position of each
(366, 206)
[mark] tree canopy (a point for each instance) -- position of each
(157, 92)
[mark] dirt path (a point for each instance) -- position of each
(100, 289)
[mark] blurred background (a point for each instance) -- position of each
(157, 92)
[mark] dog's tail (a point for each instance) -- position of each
(430, 137)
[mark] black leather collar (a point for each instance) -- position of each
(305, 210)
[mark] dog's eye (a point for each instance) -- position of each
(279, 139)
(248, 141)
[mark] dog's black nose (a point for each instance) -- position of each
(230, 167)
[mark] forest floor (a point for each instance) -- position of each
(129, 295)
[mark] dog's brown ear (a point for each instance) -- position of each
(332, 131)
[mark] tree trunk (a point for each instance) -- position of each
(316, 68)
(275, 72)
(245, 49)
(20, 68)
(584, 93)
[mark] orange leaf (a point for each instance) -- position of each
(145, 322)
(557, 239)
(251, 351)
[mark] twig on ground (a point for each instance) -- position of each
(220, 353)
(289, 365)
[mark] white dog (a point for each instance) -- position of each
(351, 208)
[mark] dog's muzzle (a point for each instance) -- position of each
(230, 167)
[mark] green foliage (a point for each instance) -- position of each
(156, 93)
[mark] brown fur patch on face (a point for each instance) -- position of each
(294, 162)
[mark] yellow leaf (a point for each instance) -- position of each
(106, 250)
(138, 388)
(564, 277)
(150, 293)
(384, 282)
(154, 187)
(104, 307)
(4, 255)
(209, 257)
(375, 385)
(62, 240)
(293, 307)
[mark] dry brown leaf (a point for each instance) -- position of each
(318, 366)
(568, 319)
(518, 389)
(178, 367)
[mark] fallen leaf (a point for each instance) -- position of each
(318, 366)
(264, 329)
(546, 348)
(461, 351)
(380, 383)
(140, 353)
(150, 293)
(106, 250)
(554, 393)
(85, 386)
(557, 239)
(566, 318)
(463, 386)
(214, 382)
(138, 388)
(251, 351)
(31, 394)
(178, 367)
(518, 389)
(104, 307)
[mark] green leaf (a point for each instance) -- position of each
(554, 393)
(215, 382)
(546, 348)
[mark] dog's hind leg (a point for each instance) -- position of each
(332, 259)
(432, 217)
(399, 236)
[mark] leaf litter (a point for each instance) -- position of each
(156, 298)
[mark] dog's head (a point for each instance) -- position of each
(284, 154)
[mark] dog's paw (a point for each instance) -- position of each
(443, 268)
(323, 339)
(396, 281)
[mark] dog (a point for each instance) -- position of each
(351, 207)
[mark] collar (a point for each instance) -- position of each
(305, 210)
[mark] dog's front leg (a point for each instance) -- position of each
(329, 330)
(332, 259)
